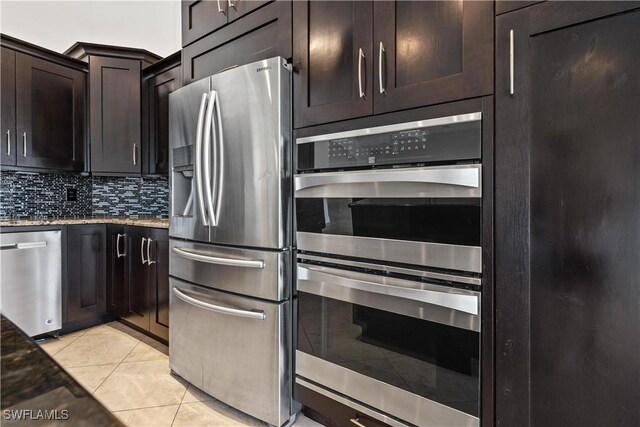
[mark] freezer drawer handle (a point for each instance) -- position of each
(257, 314)
(30, 245)
(250, 263)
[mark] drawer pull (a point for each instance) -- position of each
(249, 263)
(357, 422)
(257, 314)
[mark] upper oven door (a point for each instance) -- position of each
(428, 216)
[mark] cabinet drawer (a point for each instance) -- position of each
(262, 34)
(217, 339)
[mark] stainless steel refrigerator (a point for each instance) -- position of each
(230, 227)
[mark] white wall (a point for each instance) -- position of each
(152, 25)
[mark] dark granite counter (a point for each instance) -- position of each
(140, 222)
(36, 391)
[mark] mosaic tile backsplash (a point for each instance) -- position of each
(45, 196)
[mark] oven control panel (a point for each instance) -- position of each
(448, 142)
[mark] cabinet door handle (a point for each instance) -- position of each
(360, 58)
(380, 53)
(24, 144)
(149, 262)
(511, 59)
(8, 143)
(220, 9)
(135, 160)
(118, 246)
(357, 422)
(142, 251)
(232, 4)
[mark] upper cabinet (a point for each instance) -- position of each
(360, 58)
(114, 106)
(259, 35)
(333, 60)
(158, 81)
(430, 52)
(202, 17)
(43, 108)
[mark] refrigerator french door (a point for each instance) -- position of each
(231, 157)
(230, 264)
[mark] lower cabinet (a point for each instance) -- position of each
(138, 277)
(86, 272)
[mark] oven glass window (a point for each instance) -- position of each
(435, 361)
(441, 220)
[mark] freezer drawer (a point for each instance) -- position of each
(256, 273)
(30, 265)
(237, 349)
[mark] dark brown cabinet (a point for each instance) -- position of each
(114, 85)
(429, 52)
(261, 34)
(43, 109)
(117, 269)
(333, 61)
(8, 99)
(159, 80)
(137, 279)
(355, 59)
(114, 106)
(567, 203)
(202, 17)
(159, 283)
(137, 293)
(85, 271)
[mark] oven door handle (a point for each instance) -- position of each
(249, 263)
(459, 300)
(435, 181)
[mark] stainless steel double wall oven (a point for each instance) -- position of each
(389, 264)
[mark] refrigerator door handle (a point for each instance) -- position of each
(249, 263)
(219, 150)
(198, 165)
(252, 314)
(208, 176)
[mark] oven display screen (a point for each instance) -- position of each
(457, 142)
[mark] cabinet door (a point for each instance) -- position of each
(201, 17)
(8, 112)
(238, 8)
(117, 269)
(260, 35)
(86, 262)
(159, 289)
(567, 204)
(333, 61)
(50, 105)
(431, 52)
(137, 295)
(158, 89)
(114, 86)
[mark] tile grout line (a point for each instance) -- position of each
(114, 369)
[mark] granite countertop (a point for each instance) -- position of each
(36, 389)
(142, 222)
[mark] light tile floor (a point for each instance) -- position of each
(129, 374)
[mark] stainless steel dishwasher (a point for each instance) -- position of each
(31, 276)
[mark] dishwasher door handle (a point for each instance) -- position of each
(26, 245)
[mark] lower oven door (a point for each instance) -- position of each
(235, 348)
(406, 348)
